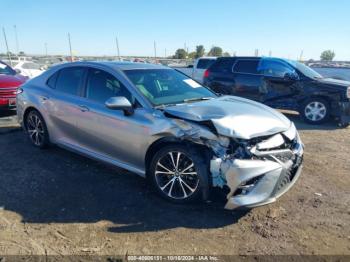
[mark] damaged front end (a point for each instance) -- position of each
(257, 152)
(259, 170)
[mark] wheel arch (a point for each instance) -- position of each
(170, 140)
(322, 96)
(26, 112)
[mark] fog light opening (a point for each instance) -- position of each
(245, 187)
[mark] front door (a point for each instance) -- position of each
(109, 132)
(280, 83)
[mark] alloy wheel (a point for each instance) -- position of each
(176, 175)
(315, 111)
(35, 129)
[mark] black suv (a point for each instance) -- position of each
(282, 84)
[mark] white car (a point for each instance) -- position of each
(29, 69)
(200, 65)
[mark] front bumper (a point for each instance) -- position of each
(262, 179)
(344, 112)
(7, 103)
(269, 187)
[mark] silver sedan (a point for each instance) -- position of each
(158, 123)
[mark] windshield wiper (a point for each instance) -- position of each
(162, 106)
(197, 99)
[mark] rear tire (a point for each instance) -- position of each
(36, 129)
(315, 110)
(179, 174)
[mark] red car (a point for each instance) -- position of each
(10, 80)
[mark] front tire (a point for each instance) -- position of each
(36, 129)
(179, 174)
(315, 110)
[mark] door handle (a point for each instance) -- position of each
(83, 108)
(44, 98)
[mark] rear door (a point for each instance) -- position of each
(199, 68)
(247, 79)
(62, 103)
(221, 78)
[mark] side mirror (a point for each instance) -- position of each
(120, 103)
(18, 71)
(291, 77)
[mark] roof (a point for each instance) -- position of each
(122, 65)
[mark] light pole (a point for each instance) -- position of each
(70, 48)
(117, 44)
(17, 46)
(45, 49)
(7, 47)
(155, 50)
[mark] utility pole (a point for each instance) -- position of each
(7, 47)
(165, 53)
(256, 52)
(45, 49)
(117, 44)
(301, 55)
(155, 50)
(17, 46)
(270, 53)
(70, 48)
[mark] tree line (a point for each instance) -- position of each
(217, 51)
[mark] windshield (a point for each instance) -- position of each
(6, 70)
(167, 86)
(305, 70)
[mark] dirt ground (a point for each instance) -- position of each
(55, 202)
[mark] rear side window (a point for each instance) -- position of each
(205, 63)
(246, 66)
(69, 80)
(222, 65)
(101, 86)
(52, 80)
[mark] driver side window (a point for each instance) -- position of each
(102, 85)
(275, 69)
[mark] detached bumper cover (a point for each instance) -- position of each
(262, 179)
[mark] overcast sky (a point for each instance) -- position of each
(286, 27)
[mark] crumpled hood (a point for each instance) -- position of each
(234, 116)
